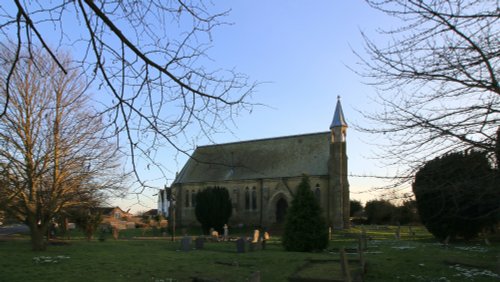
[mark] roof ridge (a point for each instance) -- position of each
(263, 139)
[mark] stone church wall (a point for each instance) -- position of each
(255, 202)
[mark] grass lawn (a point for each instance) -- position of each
(417, 258)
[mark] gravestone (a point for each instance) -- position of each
(265, 239)
(256, 243)
(256, 237)
(398, 233)
(240, 245)
(215, 235)
(226, 232)
(186, 243)
(199, 243)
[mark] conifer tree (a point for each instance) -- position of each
(305, 227)
(213, 208)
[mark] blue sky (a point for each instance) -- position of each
(300, 50)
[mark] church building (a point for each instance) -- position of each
(263, 175)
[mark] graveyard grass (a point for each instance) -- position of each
(415, 258)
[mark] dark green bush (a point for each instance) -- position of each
(305, 227)
(457, 195)
(213, 208)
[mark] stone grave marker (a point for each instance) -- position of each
(226, 232)
(199, 243)
(397, 235)
(240, 245)
(186, 243)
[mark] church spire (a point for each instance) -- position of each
(338, 116)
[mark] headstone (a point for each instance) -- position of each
(240, 245)
(344, 265)
(398, 233)
(199, 243)
(265, 239)
(410, 232)
(215, 235)
(186, 243)
(256, 237)
(226, 232)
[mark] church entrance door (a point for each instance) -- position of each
(281, 207)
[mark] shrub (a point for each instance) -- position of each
(457, 195)
(213, 208)
(380, 212)
(305, 227)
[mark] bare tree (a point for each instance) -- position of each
(147, 59)
(55, 151)
(437, 77)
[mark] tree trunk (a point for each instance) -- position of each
(37, 233)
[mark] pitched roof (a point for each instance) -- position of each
(338, 116)
(265, 158)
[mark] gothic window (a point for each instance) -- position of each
(193, 198)
(317, 193)
(187, 199)
(254, 198)
(247, 198)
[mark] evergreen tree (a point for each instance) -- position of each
(213, 208)
(305, 227)
(457, 195)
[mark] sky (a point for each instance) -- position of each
(301, 51)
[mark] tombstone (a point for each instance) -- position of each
(397, 235)
(410, 232)
(265, 238)
(186, 243)
(240, 245)
(344, 266)
(215, 235)
(256, 237)
(199, 243)
(226, 232)
(255, 244)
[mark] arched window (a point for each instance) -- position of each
(317, 193)
(193, 198)
(247, 198)
(254, 198)
(187, 199)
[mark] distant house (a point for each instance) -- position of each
(163, 202)
(116, 217)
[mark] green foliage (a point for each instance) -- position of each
(356, 207)
(305, 228)
(380, 212)
(213, 208)
(407, 213)
(87, 219)
(457, 195)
